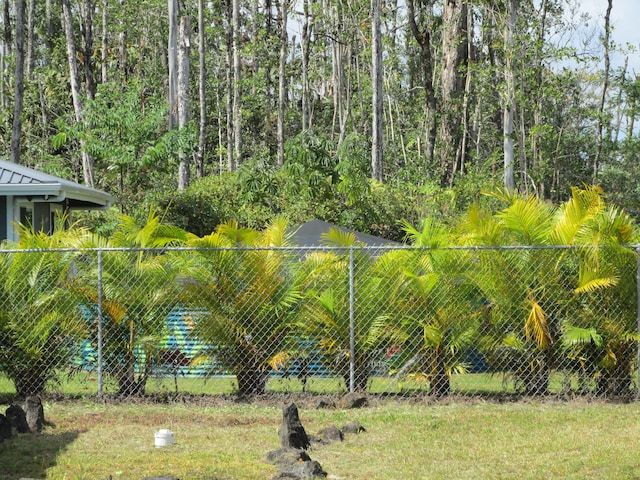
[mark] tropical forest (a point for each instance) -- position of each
(366, 114)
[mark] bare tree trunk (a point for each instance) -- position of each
(31, 37)
(122, 46)
(48, 12)
(231, 162)
(18, 96)
(538, 107)
(603, 94)
(306, 47)
(461, 167)
(88, 7)
(172, 54)
(423, 37)
(282, 79)
(377, 94)
(76, 94)
(6, 50)
(268, 81)
(103, 53)
(184, 101)
(201, 92)
(453, 47)
(6, 32)
(509, 97)
(237, 90)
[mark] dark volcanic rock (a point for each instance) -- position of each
(305, 470)
(34, 414)
(292, 433)
(353, 427)
(331, 435)
(354, 400)
(5, 427)
(287, 456)
(18, 419)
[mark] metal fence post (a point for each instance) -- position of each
(352, 327)
(99, 323)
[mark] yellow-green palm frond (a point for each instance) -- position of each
(536, 326)
(153, 234)
(336, 237)
(482, 228)
(276, 234)
(502, 194)
(236, 235)
(573, 216)
(423, 285)
(279, 360)
(528, 219)
(591, 279)
(432, 234)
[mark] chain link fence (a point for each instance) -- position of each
(389, 321)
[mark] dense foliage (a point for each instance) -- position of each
(274, 106)
(256, 306)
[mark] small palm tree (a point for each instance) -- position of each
(139, 290)
(441, 307)
(246, 291)
(38, 320)
(329, 310)
(601, 338)
(535, 294)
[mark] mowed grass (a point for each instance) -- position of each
(450, 440)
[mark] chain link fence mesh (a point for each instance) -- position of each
(388, 321)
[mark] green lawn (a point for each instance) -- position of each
(474, 440)
(85, 384)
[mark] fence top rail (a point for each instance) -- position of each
(305, 249)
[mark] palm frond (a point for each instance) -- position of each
(536, 326)
(590, 280)
(336, 237)
(573, 335)
(528, 219)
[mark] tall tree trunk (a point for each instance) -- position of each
(6, 27)
(538, 106)
(6, 50)
(103, 53)
(184, 101)
(237, 87)
(282, 78)
(88, 7)
(509, 97)
(18, 96)
(231, 161)
(172, 54)
(122, 46)
(603, 93)
(377, 93)
(305, 45)
(76, 94)
(201, 91)
(423, 37)
(453, 53)
(268, 80)
(31, 40)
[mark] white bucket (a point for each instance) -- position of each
(164, 437)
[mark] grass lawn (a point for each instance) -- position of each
(474, 440)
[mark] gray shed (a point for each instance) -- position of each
(309, 234)
(30, 196)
